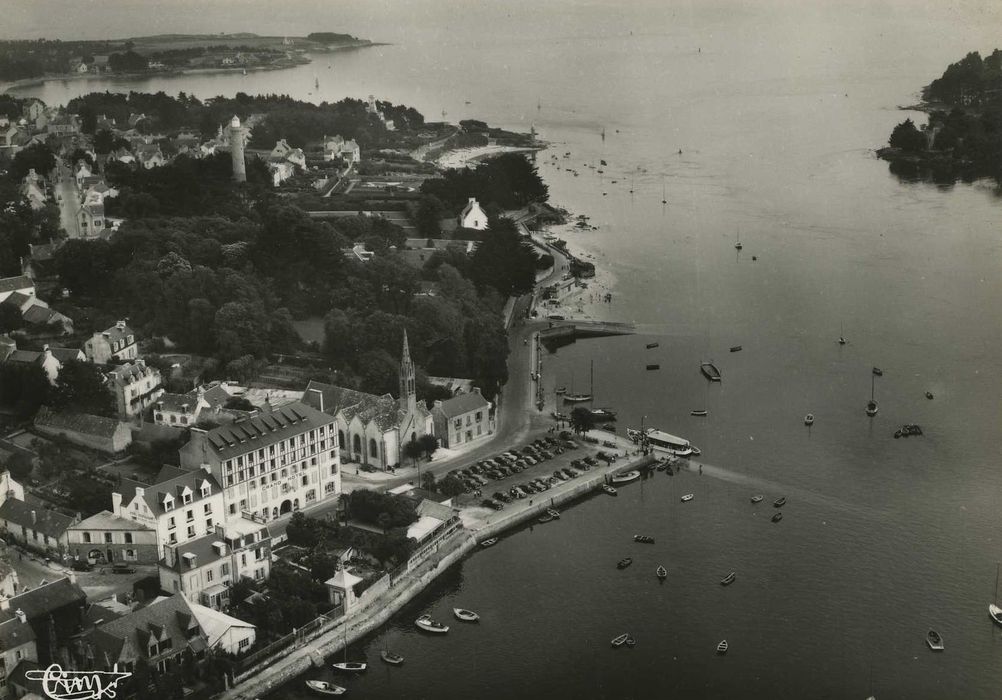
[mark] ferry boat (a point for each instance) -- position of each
(626, 477)
(710, 371)
(349, 666)
(325, 688)
(662, 442)
(465, 615)
(428, 625)
(391, 658)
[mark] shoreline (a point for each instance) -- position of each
(462, 157)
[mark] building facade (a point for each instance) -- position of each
(106, 538)
(463, 419)
(117, 342)
(136, 387)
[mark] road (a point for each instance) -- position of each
(67, 198)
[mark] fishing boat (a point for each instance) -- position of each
(993, 608)
(653, 367)
(879, 372)
(809, 419)
(688, 497)
(620, 640)
(756, 499)
(710, 371)
(428, 625)
(609, 490)
(325, 688)
(871, 405)
(576, 398)
(489, 542)
(643, 539)
(728, 579)
(929, 395)
(391, 658)
(779, 502)
(934, 640)
(662, 573)
(553, 513)
(626, 477)
(722, 647)
(736, 348)
(465, 615)
(777, 516)
(544, 518)
(699, 413)
(651, 346)
(349, 666)
(623, 563)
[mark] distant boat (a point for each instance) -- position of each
(879, 372)
(391, 658)
(576, 398)
(664, 196)
(809, 419)
(325, 688)
(699, 413)
(643, 539)
(428, 625)
(871, 405)
(554, 513)
(465, 615)
(625, 477)
(722, 647)
(561, 390)
(841, 335)
(545, 518)
(928, 395)
(490, 542)
(688, 497)
(934, 640)
(630, 641)
(653, 367)
(662, 573)
(710, 371)
(609, 490)
(728, 579)
(349, 666)
(736, 348)
(603, 414)
(602, 162)
(316, 83)
(778, 516)
(620, 640)
(623, 563)
(651, 346)
(737, 244)
(756, 499)
(779, 502)
(993, 608)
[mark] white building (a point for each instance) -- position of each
(136, 387)
(473, 216)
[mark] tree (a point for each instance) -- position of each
(413, 450)
(907, 137)
(38, 157)
(81, 388)
(450, 486)
(581, 420)
(429, 444)
(504, 260)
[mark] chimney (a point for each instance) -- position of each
(45, 349)
(120, 325)
(140, 492)
(219, 548)
(116, 502)
(20, 615)
(34, 517)
(473, 200)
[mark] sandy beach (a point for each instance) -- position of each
(591, 299)
(462, 157)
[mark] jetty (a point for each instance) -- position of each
(565, 332)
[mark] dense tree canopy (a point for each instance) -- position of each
(509, 181)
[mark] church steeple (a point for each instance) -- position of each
(408, 380)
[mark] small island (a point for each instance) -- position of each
(44, 59)
(962, 139)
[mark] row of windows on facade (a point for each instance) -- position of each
(251, 472)
(295, 442)
(458, 423)
(107, 538)
(127, 554)
(309, 497)
(272, 464)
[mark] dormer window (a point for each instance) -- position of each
(206, 489)
(186, 496)
(168, 503)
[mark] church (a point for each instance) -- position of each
(373, 429)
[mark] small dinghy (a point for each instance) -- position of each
(757, 499)
(722, 647)
(728, 579)
(809, 419)
(779, 502)
(651, 346)
(561, 390)
(620, 640)
(623, 563)
(490, 542)
(934, 640)
(626, 477)
(929, 395)
(325, 688)
(553, 513)
(391, 658)
(777, 517)
(643, 539)
(699, 413)
(879, 372)
(609, 490)
(545, 518)
(688, 497)
(349, 666)
(710, 371)
(662, 573)
(465, 615)
(631, 642)
(428, 625)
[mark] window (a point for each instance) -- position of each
(86, 537)
(130, 554)
(189, 516)
(480, 416)
(243, 559)
(207, 509)
(191, 531)
(224, 570)
(208, 525)
(186, 497)
(457, 424)
(128, 538)
(209, 575)
(306, 480)
(172, 538)
(170, 522)
(243, 644)
(233, 509)
(168, 504)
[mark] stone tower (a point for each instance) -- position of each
(237, 135)
(408, 382)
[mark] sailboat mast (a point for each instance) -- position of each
(591, 389)
(873, 378)
(996, 583)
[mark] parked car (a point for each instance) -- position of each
(82, 565)
(123, 569)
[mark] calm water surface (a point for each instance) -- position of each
(775, 108)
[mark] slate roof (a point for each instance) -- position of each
(28, 357)
(106, 520)
(115, 333)
(132, 372)
(48, 522)
(201, 548)
(67, 354)
(10, 284)
(14, 633)
(77, 422)
(44, 599)
(263, 430)
(171, 615)
(37, 314)
(174, 403)
(17, 299)
(386, 411)
(462, 404)
(170, 480)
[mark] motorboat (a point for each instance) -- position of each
(643, 539)
(325, 688)
(779, 502)
(609, 490)
(688, 497)
(490, 542)
(623, 563)
(662, 573)
(736, 348)
(934, 640)
(879, 372)
(391, 658)
(722, 647)
(620, 640)
(625, 477)
(929, 395)
(777, 516)
(651, 346)
(603, 414)
(465, 615)
(728, 579)
(757, 499)
(349, 666)
(428, 625)
(576, 398)
(809, 419)
(710, 371)
(699, 413)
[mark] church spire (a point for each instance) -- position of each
(408, 380)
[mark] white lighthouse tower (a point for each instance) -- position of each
(237, 137)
